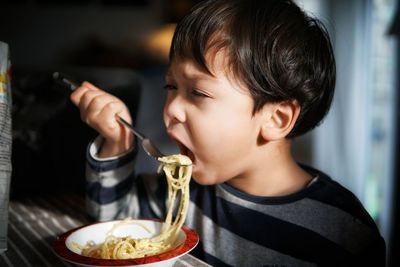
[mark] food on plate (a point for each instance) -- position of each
(178, 178)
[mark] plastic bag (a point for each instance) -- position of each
(5, 142)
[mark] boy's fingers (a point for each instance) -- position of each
(77, 95)
(105, 121)
(95, 105)
(93, 100)
(90, 86)
(109, 113)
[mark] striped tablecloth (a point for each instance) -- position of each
(35, 222)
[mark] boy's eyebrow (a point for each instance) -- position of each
(193, 75)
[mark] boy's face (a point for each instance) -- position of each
(211, 119)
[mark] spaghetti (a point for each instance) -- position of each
(178, 178)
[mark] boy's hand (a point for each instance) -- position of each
(99, 109)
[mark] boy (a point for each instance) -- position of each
(244, 77)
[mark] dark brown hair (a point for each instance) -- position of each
(276, 50)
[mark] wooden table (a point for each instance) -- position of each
(35, 222)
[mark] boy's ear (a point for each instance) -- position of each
(279, 119)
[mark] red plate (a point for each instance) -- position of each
(61, 249)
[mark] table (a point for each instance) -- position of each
(35, 222)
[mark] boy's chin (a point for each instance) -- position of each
(203, 178)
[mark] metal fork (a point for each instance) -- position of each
(146, 143)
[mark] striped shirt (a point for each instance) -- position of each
(321, 225)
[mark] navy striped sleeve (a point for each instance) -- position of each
(105, 195)
(106, 165)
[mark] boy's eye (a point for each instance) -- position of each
(191, 92)
(197, 93)
(170, 87)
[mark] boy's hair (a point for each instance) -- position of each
(273, 48)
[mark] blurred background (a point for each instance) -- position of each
(122, 46)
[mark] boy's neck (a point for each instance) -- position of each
(272, 172)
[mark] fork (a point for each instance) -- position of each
(146, 143)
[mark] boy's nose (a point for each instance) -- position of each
(174, 109)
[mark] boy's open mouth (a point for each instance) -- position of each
(185, 151)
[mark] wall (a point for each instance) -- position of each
(46, 37)
(40, 34)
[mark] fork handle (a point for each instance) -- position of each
(128, 125)
(58, 77)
